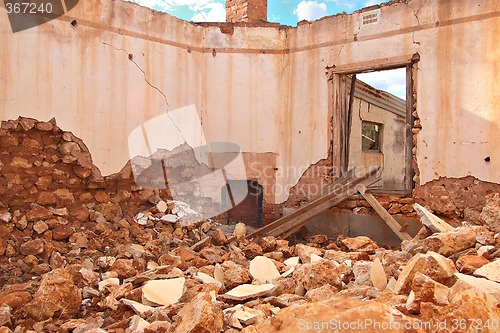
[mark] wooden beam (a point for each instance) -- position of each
(431, 221)
(302, 215)
(388, 219)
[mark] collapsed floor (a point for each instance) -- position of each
(82, 253)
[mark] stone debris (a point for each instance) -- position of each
(82, 253)
(490, 271)
(247, 291)
(163, 292)
(263, 270)
(377, 275)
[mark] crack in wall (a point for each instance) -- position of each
(130, 57)
(415, 13)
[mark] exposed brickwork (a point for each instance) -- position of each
(253, 11)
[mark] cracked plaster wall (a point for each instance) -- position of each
(262, 87)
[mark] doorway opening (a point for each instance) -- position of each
(372, 124)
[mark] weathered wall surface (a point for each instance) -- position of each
(391, 157)
(262, 87)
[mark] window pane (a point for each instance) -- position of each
(370, 133)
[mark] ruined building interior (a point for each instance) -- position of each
(163, 175)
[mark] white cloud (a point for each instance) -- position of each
(392, 81)
(310, 10)
(214, 12)
(204, 10)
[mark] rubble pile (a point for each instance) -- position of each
(108, 259)
(180, 279)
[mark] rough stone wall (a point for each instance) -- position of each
(44, 165)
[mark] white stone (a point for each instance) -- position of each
(293, 261)
(137, 324)
(240, 230)
(138, 308)
(169, 218)
(315, 258)
(263, 269)
(245, 317)
(163, 292)
(482, 284)
(218, 274)
(246, 291)
(490, 271)
(162, 206)
(377, 275)
(484, 249)
(205, 278)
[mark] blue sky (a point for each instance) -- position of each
(287, 12)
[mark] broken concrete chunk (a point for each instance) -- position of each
(263, 269)
(57, 294)
(138, 308)
(40, 227)
(293, 261)
(205, 278)
(469, 263)
(218, 237)
(315, 258)
(218, 273)
(137, 324)
(199, 315)
(171, 218)
(247, 291)
(233, 274)
(240, 230)
(360, 244)
(431, 264)
(163, 292)
(320, 294)
(467, 306)
(317, 274)
(340, 256)
(431, 221)
(162, 206)
(304, 252)
(377, 275)
(491, 211)
(108, 282)
(467, 281)
(295, 318)
(490, 271)
(453, 241)
(425, 289)
(244, 317)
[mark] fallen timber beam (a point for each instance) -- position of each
(384, 214)
(339, 191)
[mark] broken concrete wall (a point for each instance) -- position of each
(262, 87)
